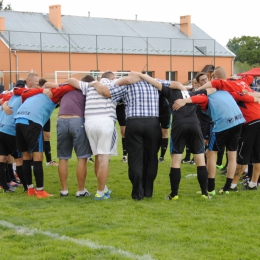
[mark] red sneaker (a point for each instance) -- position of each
(43, 194)
(31, 192)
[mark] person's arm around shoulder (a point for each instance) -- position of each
(50, 85)
(127, 80)
(177, 85)
(73, 82)
(102, 90)
(205, 86)
(148, 79)
(181, 102)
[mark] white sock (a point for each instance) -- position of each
(64, 192)
(39, 188)
(106, 188)
(233, 186)
(100, 193)
(30, 186)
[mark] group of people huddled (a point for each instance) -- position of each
(217, 114)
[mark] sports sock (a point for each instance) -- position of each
(252, 184)
(124, 146)
(11, 171)
(227, 184)
(100, 193)
(202, 175)
(27, 172)
(3, 181)
(175, 178)
(164, 145)
(19, 171)
(211, 184)
(233, 185)
(38, 173)
(47, 151)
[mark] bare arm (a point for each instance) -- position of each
(148, 79)
(177, 85)
(205, 86)
(6, 108)
(130, 79)
(51, 85)
(211, 91)
(180, 103)
(73, 82)
(102, 90)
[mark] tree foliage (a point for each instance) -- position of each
(246, 49)
(7, 7)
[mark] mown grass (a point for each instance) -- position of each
(225, 227)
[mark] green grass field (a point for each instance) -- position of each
(55, 228)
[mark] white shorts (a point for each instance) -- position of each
(102, 135)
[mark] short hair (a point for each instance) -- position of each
(42, 82)
(108, 75)
(87, 78)
(199, 75)
(220, 73)
(31, 74)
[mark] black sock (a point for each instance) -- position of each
(7, 176)
(211, 184)
(3, 181)
(187, 157)
(19, 171)
(202, 174)
(175, 178)
(27, 171)
(227, 184)
(11, 171)
(164, 145)
(124, 146)
(38, 174)
(47, 150)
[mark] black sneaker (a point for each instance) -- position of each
(161, 159)
(247, 187)
(10, 190)
(64, 195)
(185, 161)
(234, 189)
(223, 171)
(191, 162)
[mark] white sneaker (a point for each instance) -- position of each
(83, 193)
(124, 158)
(52, 163)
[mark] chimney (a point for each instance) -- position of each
(55, 15)
(185, 24)
(2, 24)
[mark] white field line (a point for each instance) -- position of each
(83, 242)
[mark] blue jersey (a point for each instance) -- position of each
(224, 111)
(7, 122)
(37, 108)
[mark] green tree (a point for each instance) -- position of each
(8, 6)
(246, 49)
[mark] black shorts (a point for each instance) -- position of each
(249, 144)
(182, 133)
(29, 138)
(47, 126)
(228, 138)
(165, 117)
(8, 145)
(120, 114)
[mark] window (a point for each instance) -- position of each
(192, 75)
(95, 74)
(150, 73)
(171, 75)
(120, 74)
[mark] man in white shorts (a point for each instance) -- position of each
(100, 118)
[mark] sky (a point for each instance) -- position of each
(222, 20)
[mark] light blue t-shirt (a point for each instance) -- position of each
(37, 108)
(224, 111)
(7, 122)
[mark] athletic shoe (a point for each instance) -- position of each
(161, 159)
(64, 195)
(223, 171)
(247, 187)
(31, 192)
(108, 192)
(191, 162)
(220, 166)
(104, 197)
(222, 191)
(10, 190)
(43, 194)
(124, 158)
(176, 197)
(206, 197)
(185, 161)
(16, 176)
(52, 163)
(12, 184)
(85, 194)
(90, 160)
(212, 193)
(234, 189)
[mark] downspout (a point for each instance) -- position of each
(16, 61)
